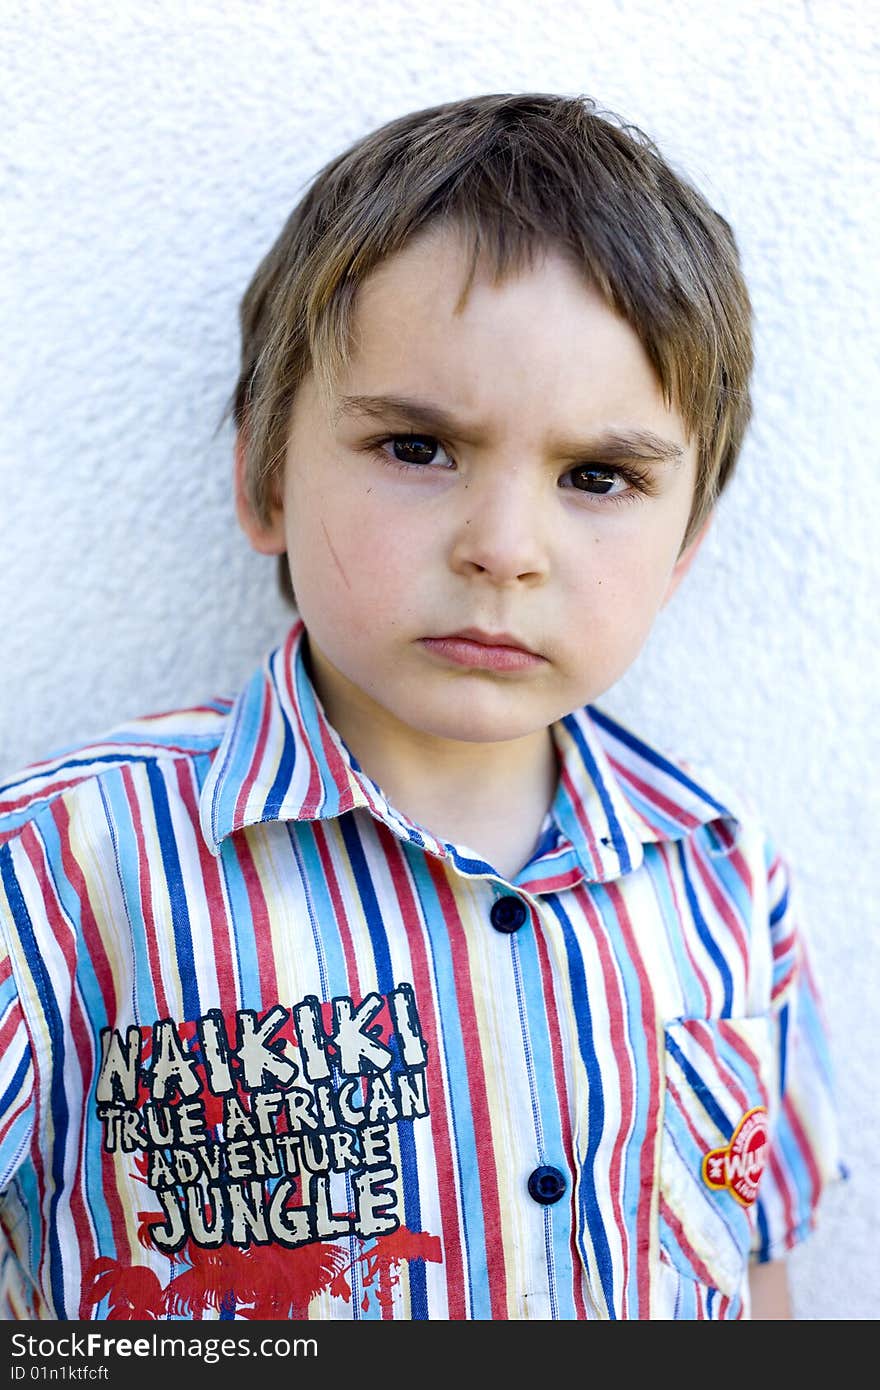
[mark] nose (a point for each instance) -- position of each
(500, 532)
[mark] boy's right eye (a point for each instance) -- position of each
(415, 449)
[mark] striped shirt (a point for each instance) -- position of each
(268, 1049)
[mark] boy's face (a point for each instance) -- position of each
(484, 523)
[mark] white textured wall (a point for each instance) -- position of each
(150, 152)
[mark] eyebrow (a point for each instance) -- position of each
(422, 416)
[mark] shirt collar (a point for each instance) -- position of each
(280, 759)
(617, 794)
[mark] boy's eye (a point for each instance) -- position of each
(416, 449)
(595, 479)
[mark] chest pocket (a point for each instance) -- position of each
(721, 1092)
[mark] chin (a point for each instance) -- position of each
(469, 727)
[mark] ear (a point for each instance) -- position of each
(266, 537)
(686, 559)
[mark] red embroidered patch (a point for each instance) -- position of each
(739, 1166)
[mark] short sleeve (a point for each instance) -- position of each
(16, 1063)
(804, 1153)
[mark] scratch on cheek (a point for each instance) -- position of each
(335, 556)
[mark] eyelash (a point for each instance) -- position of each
(376, 446)
(639, 481)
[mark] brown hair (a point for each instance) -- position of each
(516, 174)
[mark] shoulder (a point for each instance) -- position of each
(188, 734)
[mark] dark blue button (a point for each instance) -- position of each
(508, 914)
(546, 1185)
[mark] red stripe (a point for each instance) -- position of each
(127, 750)
(238, 815)
(145, 894)
(806, 1150)
(339, 770)
(780, 1179)
(580, 811)
(322, 832)
(221, 705)
(656, 798)
(669, 861)
(566, 1106)
(60, 932)
(681, 1240)
(737, 860)
(482, 1125)
(15, 1023)
(309, 807)
(444, 1157)
(720, 900)
(652, 1119)
(212, 889)
(706, 1039)
(673, 1092)
(82, 1047)
(556, 884)
(616, 1005)
(43, 794)
(10, 1123)
(260, 922)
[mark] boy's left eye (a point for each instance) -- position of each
(596, 479)
(416, 449)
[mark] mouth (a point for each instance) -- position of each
(484, 651)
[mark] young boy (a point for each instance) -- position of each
(408, 984)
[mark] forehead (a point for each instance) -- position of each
(541, 344)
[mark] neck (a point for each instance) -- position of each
(489, 798)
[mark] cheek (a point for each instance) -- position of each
(617, 593)
(627, 571)
(349, 565)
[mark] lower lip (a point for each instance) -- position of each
(462, 651)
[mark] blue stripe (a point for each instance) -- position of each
(595, 1107)
(780, 909)
(57, 1098)
(713, 950)
(176, 895)
(124, 757)
(548, 1118)
(239, 739)
(334, 981)
(618, 838)
(724, 870)
(636, 1044)
(457, 1100)
(120, 825)
(699, 1087)
(659, 869)
(784, 1019)
(313, 726)
(93, 1001)
(655, 759)
(246, 962)
(287, 761)
(314, 885)
(535, 1107)
(763, 1248)
(17, 1080)
(386, 982)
